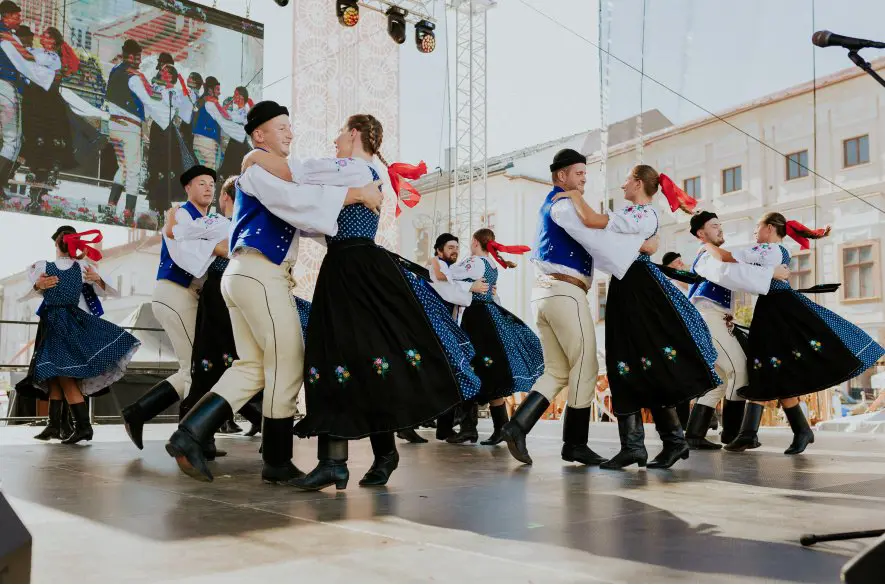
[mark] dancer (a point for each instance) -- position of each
(186, 254)
(79, 354)
(10, 79)
(714, 299)
(564, 321)
(508, 354)
(658, 351)
(268, 214)
(383, 353)
(58, 425)
(795, 346)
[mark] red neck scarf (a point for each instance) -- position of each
(494, 248)
(676, 197)
(398, 172)
(214, 100)
(77, 242)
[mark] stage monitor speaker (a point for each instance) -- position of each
(868, 566)
(15, 546)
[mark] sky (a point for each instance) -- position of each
(544, 79)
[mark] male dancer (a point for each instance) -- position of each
(10, 98)
(184, 259)
(564, 321)
(256, 286)
(714, 300)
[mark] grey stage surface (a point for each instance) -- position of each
(107, 512)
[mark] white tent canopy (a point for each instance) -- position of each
(156, 348)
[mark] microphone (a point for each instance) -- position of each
(825, 38)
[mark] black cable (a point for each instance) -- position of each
(695, 104)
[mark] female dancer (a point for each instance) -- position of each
(795, 346)
(79, 354)
(658, 350)
(508, 354)
(383, 353)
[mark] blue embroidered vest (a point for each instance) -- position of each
(254, 226)
(554, 245)
(119, 94)
(709, 290)
(206, 126)
(168, 269)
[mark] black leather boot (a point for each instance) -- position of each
(131, 202)
(499, 419)
(277, 452)
(194, 432)
(411, 436)
(230, 427)
(331, 469)
(386, 460)
(210, 450)
(524, 419)
(82, 426)
(748, 437)
(114, 195)
(53, 425)
(732, 419)
(157, 399)
(670, 431)
(252, 414)
(467, 432)
(445, 425)
(802, 434)
(632, 451)
(67, 420)
(575, 429)
(683, 410)
(698, 425)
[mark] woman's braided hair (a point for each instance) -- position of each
(371, 131)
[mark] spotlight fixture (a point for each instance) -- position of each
(424, 37)
(282, 2)
(396, 24)
(348, 12)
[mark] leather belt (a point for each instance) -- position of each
(571, 280)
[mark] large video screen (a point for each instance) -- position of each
(103, 103)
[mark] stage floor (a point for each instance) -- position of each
(109, 513)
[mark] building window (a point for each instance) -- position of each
(856, 151)
(731, 180)
(860, 271)
(692, 187)
(601, 300)
(802, 269)
(797, 165)
(88, 43)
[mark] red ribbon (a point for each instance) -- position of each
(183, 84)
(250, 103)
(397, 173)
(494, 248)
(800, 233)
(676, 197)
(76, 243)
(70, 62)
(221, 110)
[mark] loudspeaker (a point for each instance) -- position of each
(868, 566)
(15, 547)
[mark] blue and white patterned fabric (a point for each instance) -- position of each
(77, 344)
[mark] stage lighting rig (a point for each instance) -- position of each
(348, 12)
(425, 39)
(396, 24)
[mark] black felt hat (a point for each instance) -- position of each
(566, 158)
(444, 239)
(699, 219)
(194, 172)
(262, 112)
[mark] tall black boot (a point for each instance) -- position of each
(114, 195)
(499, 419)
(411, 435)
(445, 425)
(575, 429)
(632, 434)
(210, 450)
(195, 430)
(67, 420)
(82, 426)
(802, 434)
(53, 425)
(468, 431)
(277, 452)
(524, 419)
(748, 437)
(155, 401)
(683, 409)
(131, 201)
(670, 431)
(386, 460)
(698, 425)
(252, 414)
(331, 469)
(732, 418)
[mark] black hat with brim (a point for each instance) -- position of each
(699, 219)
(566, 158)
(196, 171)
(263, 112)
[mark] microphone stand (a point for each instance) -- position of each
(863, 64)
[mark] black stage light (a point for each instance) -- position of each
(424, 37)
(396, 24)
(348, 12)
